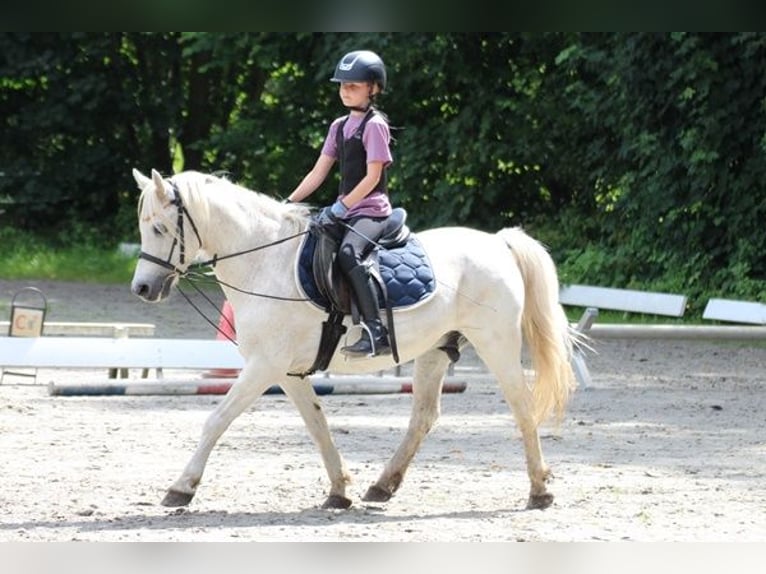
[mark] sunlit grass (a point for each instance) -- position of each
(29, 258)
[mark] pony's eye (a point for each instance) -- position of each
(160, 229)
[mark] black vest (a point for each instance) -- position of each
(353, 158)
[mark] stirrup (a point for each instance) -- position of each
(375, 348)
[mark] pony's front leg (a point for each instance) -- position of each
(301, 393)
(428, 379)
(242, 394)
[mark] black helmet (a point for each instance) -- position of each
(361, 66)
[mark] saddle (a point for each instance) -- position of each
(332, 283)
(398, 265)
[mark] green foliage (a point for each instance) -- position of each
(28, 257)
(638, 157)
(676, 122)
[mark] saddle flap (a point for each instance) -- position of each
(328, 281)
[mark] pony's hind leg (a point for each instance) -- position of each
(504, 360)
(302, 395)
(520, 400)
(428, 379)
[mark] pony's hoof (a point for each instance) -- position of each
(539, 501)
(176, 498)
(376, 494)
(337, 501)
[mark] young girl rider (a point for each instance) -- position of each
(359, 142)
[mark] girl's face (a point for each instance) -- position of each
(356, 94)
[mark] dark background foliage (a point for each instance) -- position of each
(639, 158)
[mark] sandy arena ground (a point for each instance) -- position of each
(668, 444)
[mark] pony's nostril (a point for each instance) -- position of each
(140, 289)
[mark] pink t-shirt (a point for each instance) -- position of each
(375, 139)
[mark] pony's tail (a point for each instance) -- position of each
(546, 330)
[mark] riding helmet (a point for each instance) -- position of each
(361, 66)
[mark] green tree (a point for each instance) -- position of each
(678, 124)
(638, 157)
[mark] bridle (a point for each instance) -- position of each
(182, 270)
(178, 239)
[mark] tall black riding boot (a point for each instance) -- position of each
(374, 340)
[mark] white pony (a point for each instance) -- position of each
(493, 291)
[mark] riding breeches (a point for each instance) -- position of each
(358, 241)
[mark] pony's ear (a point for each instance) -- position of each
(159, 185)
(141, 179)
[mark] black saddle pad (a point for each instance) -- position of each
(406, 271)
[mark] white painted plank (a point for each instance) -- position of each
(650, 302)
(95, 352)
(735, 311)
(683, 332)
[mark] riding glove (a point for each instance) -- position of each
(330, 215)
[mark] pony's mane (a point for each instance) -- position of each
(194, 188)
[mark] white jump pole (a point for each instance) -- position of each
(689, 332)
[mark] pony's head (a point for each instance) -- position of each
(178, 219)
(170, 238)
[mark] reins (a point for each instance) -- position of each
(216, 258)
(179, 239)
(202, 314)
